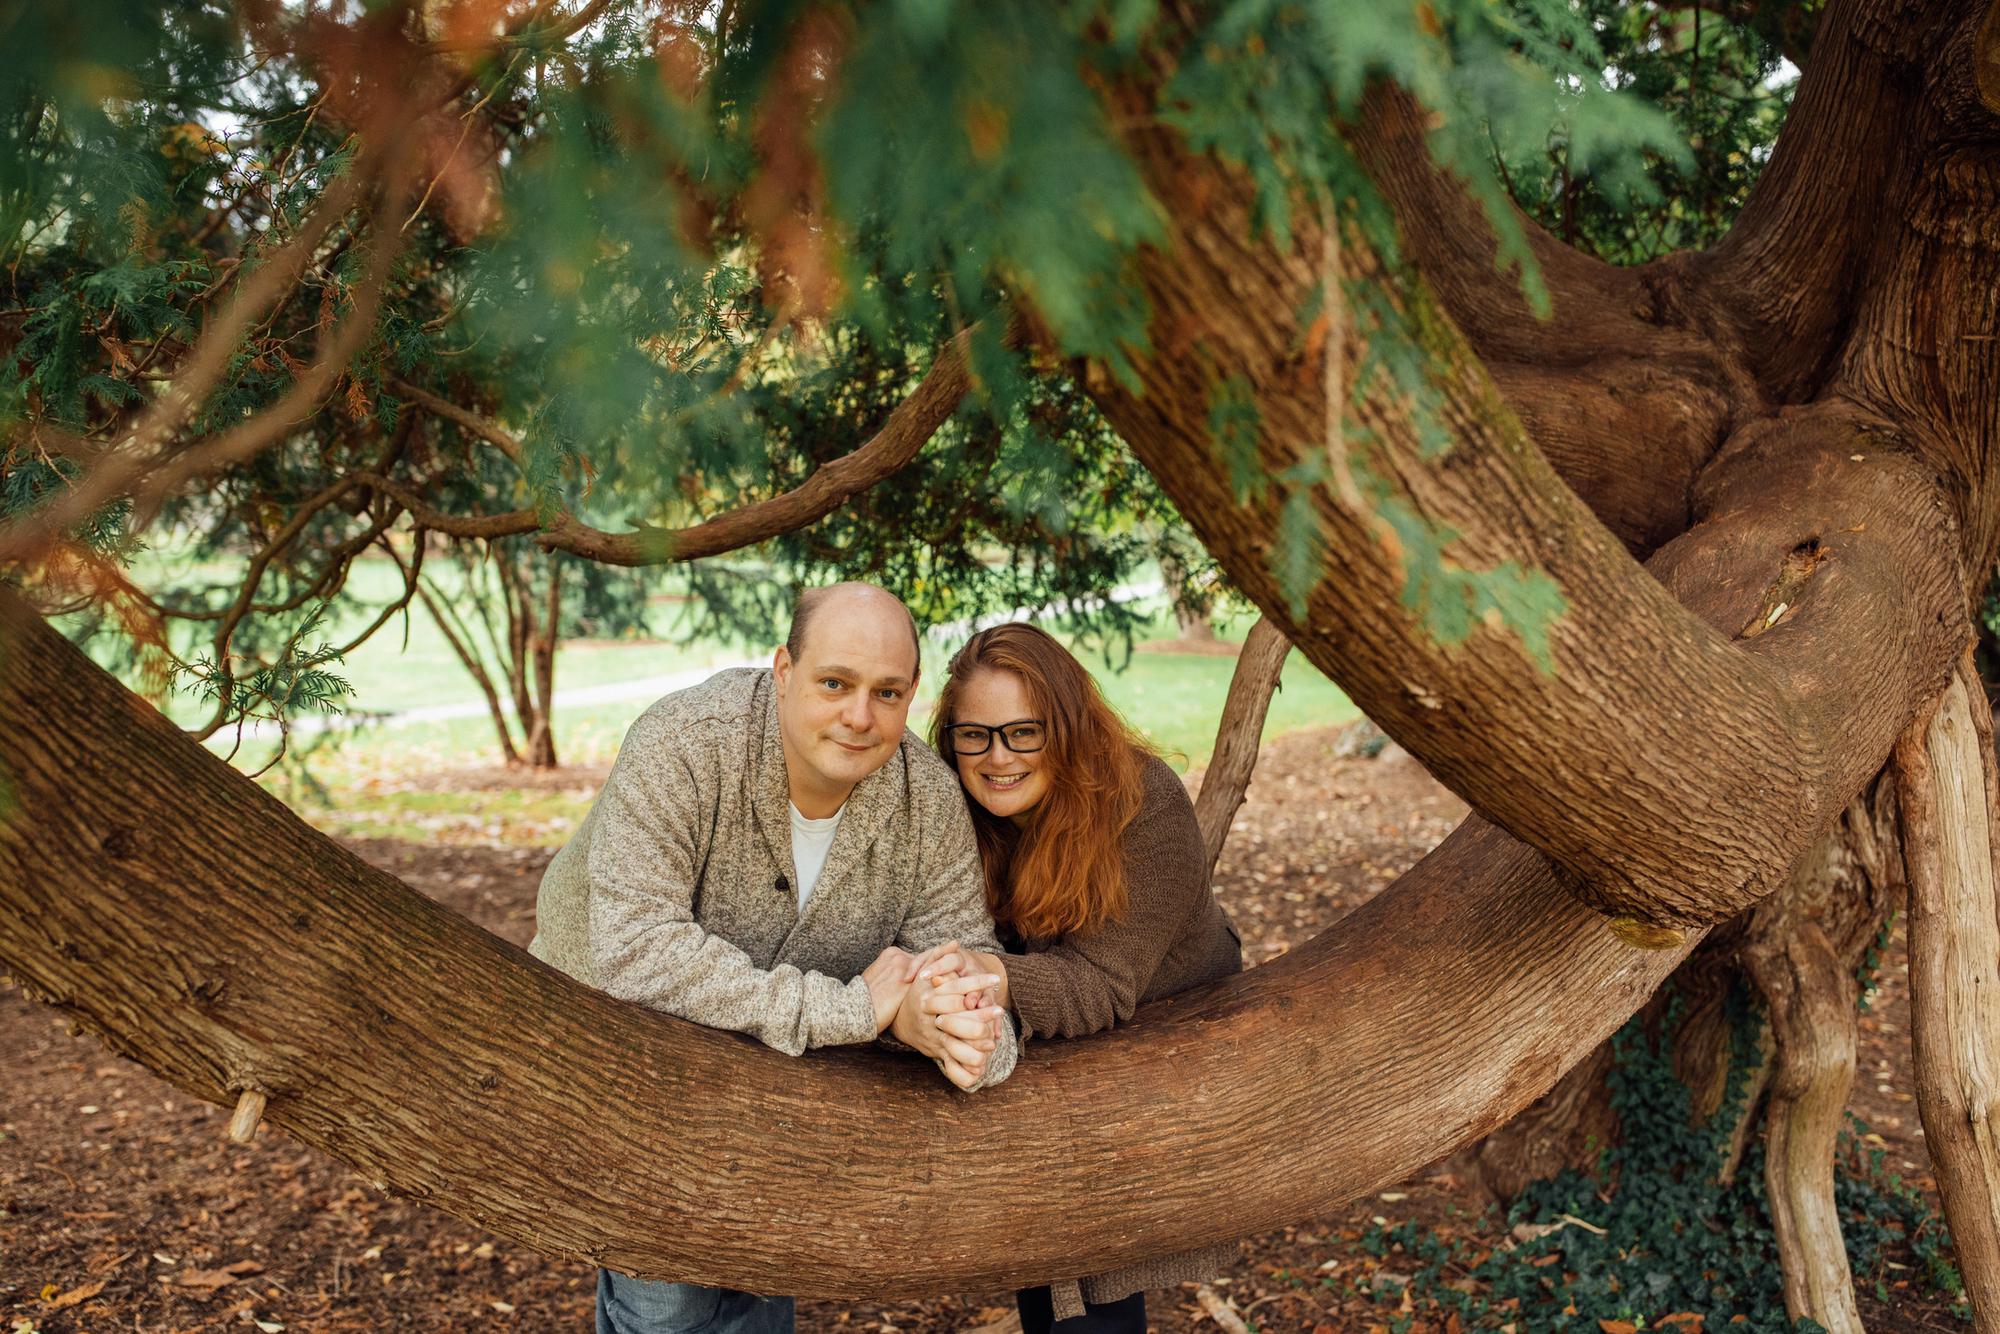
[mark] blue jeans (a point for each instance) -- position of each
(648, 1306)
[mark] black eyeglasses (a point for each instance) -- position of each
(1023, 736)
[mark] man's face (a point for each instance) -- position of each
(843, 704)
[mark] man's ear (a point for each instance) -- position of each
(781, 665)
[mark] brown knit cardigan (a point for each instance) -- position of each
(1174, 936)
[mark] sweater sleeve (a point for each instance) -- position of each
(645, 945)
(1089, 982)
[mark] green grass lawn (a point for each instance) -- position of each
(375, 777)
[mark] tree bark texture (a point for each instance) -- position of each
(1815, 527)
(1239, 735)
(537, 1108)
(1945, 771)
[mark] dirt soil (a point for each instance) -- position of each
(124, 1206)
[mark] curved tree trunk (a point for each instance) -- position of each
(449, 1066)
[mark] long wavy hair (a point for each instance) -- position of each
(1065, 872)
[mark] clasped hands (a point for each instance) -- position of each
(947, 1002)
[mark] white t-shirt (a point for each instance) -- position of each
(810, 841)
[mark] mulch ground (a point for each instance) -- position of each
(124, 1206)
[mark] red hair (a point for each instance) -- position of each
(1065, 872)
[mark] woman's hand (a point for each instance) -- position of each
(949, 960)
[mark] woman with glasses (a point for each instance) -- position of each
(1098, 883)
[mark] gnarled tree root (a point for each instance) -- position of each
(1810, 999)
(1946, 776)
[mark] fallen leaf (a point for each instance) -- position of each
(1618, 1327)
(73, 1296)
(201, 1280)
(268, 1326)
(243, 1268)
(504, 1308)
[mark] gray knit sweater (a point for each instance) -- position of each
(677, 891)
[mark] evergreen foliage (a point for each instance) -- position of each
(685, 265)
(1653, 1237)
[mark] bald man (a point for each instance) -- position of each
(776, 853)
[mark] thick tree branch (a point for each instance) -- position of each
(167, 902)
(1629, 385)
(1643, 708)
(892, 448)
(1797, 258)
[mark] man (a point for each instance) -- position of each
(770, 854)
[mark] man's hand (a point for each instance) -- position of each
(888, 980)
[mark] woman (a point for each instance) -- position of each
(1098, 883)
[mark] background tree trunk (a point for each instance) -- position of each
(542, 655)
(459, 637)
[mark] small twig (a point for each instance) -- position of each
(249, 1111)
(59, 1172)
(1220, 1311)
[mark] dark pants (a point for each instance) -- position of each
(1127, 1315)
(645, 1306)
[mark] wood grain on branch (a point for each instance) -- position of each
(1796, 259)
(1630, 383)
(1809, 995)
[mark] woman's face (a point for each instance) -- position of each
(1006, 783)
